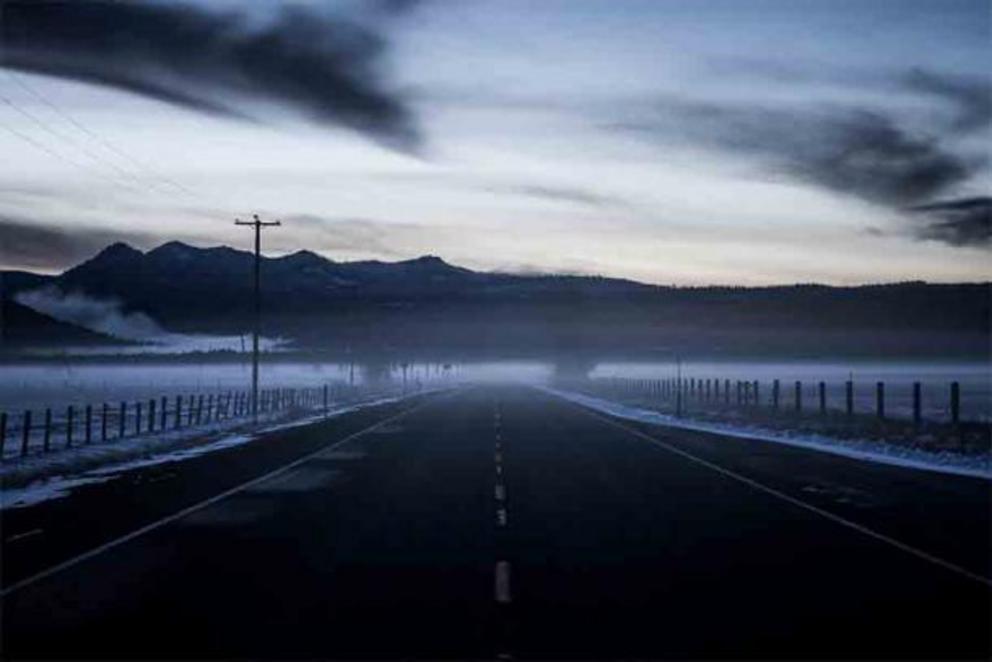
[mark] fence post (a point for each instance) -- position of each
(103, 422)
(799, 395)
(48, 430)
(26, 432)
(775, 394)
(822, 387)
(88, 434)
(151, 414)
(880, 399)
(955, 403)
(757, 398)
(137, 417)
(162, 418)
(325, 400)
(122, 420)
(3, 432)
(849, 397)
(68, 427)
(917, 409)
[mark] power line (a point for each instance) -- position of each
(61, 157)
(103, 142)
(58, 136)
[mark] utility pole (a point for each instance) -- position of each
(258, 224)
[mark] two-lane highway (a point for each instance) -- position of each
(501, 521)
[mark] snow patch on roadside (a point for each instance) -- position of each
(45, 490)
(979, 466)
(75, 474)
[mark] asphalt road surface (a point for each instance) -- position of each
(503, 522)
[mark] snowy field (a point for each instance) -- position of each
(864, 450)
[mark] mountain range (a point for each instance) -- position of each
(427, 304)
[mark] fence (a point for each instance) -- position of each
(684, 395)
(61, 428)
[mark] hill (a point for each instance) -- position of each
(430, 305)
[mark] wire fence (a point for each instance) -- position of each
(703, 394)
(54, 429)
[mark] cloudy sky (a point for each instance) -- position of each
(732, 142)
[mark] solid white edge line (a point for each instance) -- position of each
(22, 536)
(96, 551)
(909, 549)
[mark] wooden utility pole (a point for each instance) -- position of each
(258, 224)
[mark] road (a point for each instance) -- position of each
(500, 521)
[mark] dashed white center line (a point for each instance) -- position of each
(502, 583)
(499, 469)
(500, 493)
(501, 516)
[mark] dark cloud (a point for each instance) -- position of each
(964, 222)
(971, 98)
(51, 247)
(330, 69)
(855, 152)
(968, 98)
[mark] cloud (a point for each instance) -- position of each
(30, 245)
(970, 97)
(964, 222)
(328, 68)
(567, 194)
(354, 235)
(851, 151)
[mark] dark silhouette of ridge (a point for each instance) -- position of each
(427, 302)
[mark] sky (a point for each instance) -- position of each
(741, 142)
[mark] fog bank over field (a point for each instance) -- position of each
(107, 317)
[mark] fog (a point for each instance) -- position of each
(50, 384)
(144, 334)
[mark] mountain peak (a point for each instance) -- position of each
(117, 250)
(305, 256)
(172, 248)
(427, 261)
